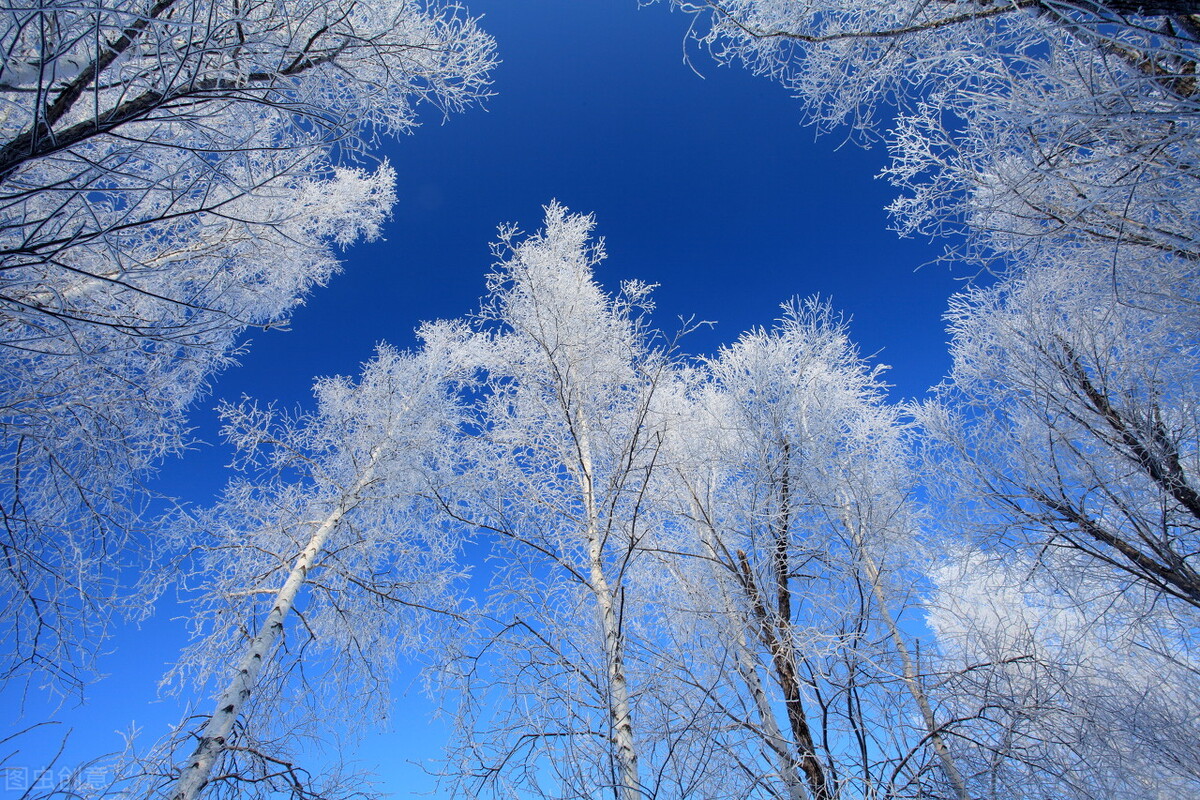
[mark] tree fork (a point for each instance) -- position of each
(789, 681)
(779, 745)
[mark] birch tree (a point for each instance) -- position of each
(1017, 127)
(329, 553)
(170, 173)
(566, 449)
(1054, 141)
(85, 418)
(1067, 436)
(797, 498)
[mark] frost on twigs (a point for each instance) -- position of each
(1027, 132)
(557, 475)
(693, 565)
(171, 173)
(326, 561)
(1063, 449)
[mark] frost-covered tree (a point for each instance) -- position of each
(134, 133)
(1024, 125)
(1065, 443)
(796, 496)
(1056, 142)
(1071, 423)
(564, 451)
(318, 568)
(1064, 685)
(170, 173)
(85, 415)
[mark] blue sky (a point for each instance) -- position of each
(706, 184)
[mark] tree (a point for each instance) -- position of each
(1057, 140)
(330, 551)
(1025, 127)
(84, 417)
(128, 127)
(564, 453)
(1066, 440)
(169, 175)
(1071, 421)
(797, 501)
(1064, 687)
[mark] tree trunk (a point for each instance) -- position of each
(217, 730)
(775, 740)
(620, 713)
(777, 640)
(746, 663)
(910, 673)
(780, 644)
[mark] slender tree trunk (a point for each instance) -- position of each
(215, 736)
(780, 640)
(776, 638)
(910, 672)
(621, 717)
(620, 713)
(786, 762)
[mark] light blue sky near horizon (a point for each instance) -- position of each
(704, 183)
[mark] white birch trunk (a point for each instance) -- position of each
(213, 739)
(910, 673)
(620, 713)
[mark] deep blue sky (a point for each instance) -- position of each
(706, 185)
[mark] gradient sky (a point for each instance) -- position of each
(701, 179)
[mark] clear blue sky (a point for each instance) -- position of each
(707, 185)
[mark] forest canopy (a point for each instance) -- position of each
(625, 569)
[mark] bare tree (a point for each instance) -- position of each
(1066, 443)
(85, 415)
(1065, 687)
(1057, 139)
(803, 535)
(1072, 419)
(130, 128)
